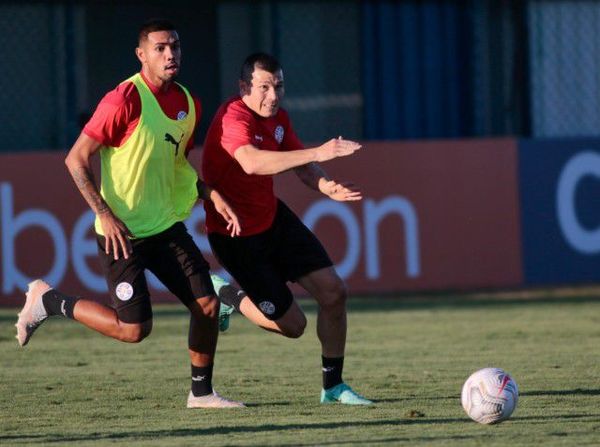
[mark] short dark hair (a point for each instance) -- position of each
(263, 61)
(154, 25)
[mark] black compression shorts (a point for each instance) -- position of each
(263, 263)
(174, 259)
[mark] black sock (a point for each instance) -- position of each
(57, 303)
(202, 380)
(232, 296)
(332, 371)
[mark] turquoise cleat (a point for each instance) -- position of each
(218, 283)
(225, 310)
(343, 394)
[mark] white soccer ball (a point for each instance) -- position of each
(489, 396)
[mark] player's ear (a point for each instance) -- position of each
(139, 52)
(244, 88)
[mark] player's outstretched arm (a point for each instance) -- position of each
(115, 231)
(340, 191)
(221, 205)
(258, 162)
(315, 177)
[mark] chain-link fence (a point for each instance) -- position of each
(318, 45)
(32, 82)
(565, 67)
(476, 68)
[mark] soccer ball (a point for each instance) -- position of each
(489, 396)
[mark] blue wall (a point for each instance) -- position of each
(560, 206)
(416, 73)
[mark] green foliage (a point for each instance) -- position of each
(71, 386)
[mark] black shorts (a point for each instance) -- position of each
(175, 260)
(263, 263)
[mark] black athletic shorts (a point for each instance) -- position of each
(175, 260)
(263, 263)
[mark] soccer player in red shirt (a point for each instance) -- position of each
(148, 189)
(250, 140)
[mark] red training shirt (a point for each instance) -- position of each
(251, 196)
(118, 113)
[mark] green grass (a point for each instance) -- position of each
(71, 386)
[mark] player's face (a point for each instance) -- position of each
(264, 92)
(160, 56)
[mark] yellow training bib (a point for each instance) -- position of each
(148, 182)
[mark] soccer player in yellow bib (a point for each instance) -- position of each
(143, 130)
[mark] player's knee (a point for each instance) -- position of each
(295, 329)
(334, 295)
(208, 307)
(135, 333)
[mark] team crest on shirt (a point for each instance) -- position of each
(279, 134)
(181, 115)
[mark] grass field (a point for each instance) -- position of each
(71, 386)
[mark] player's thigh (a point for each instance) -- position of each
(249, 261)
(325, 285)
(293, 322)
(178, 263)
(135, 332)
(127, 285)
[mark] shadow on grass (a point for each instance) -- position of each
(153, 434)
(267, 404)
(575, 392)
(412, 398)
(555, 417)
(266, 428)
(394, 441)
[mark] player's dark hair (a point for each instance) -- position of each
(263, 61)
(153, 25)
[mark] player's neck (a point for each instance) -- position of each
(156, 84)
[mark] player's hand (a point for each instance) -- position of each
(342, 192)
(336, 147)
(223, 208)
(116, 235)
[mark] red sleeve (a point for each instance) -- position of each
(290, 142)
(237, 125)
(198, 106)
(115, 116)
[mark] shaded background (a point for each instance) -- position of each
(364, 69)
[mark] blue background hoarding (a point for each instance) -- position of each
(560, 208)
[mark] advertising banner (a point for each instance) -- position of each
(560, 199)
(434, 215)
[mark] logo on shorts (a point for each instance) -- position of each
(124, 291)
(267, 307)
(181, 115)
(279, 134)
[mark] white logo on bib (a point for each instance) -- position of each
(124, 291)
(181, 115)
